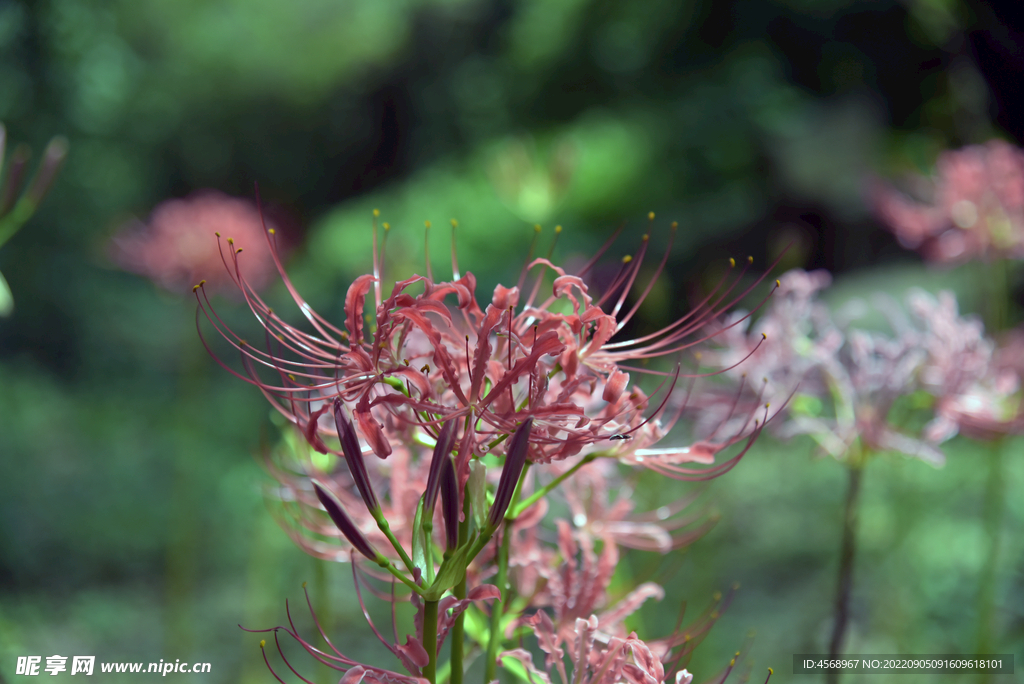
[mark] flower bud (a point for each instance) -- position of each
(344, 523)
(450, 502)
(445, 439)
(515, 459)
(354, 457)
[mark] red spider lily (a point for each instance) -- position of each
(422, 363)
(424, 372)
(977, 208)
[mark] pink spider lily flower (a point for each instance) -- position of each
(177, 246)
(846, 379)
(422, 363)
(601, 651)
(411, 654)
(976, 209)
(976, 384)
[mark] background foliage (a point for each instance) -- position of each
(132, 525)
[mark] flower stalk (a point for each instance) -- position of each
(847, 556)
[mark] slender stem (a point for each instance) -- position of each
(995, 508)
(390, 567)
(997, 277)
(848, 549)
(430, 640)
(543, 491)
(382, 523)
(498, 609)
(459, 628)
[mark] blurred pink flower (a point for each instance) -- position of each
(847, 379)
(976, 210)
(184, 240)
(976, 384)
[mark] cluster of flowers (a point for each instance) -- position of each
(493, 410)
(976, 209)
(847, 379)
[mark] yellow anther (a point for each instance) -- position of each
(732, 262)
(291, 377)
(231, 241)
(714, 615)
(217, 233)
(202, 282)
(195, 287)
(768, 405)
(697, 355)
(750, 259)
(455, 224)
(717, 596)
(558, 229)
(271, 231)
(242, 343)
(387, 226)
(771, 671)
(405, 361)
(238, 251)
(646, 237)
(650, 216)
(303, 585)
(674, 225)
(426, 368)
(427, 224)
(263, 643)
(626, 259)
(732, 663)
(764, 336)
(536, 227)
(376, 213)
(737, 654)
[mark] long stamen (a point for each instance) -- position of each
(455, 260)
(426, 249)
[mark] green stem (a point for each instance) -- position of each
(498, 609)
(543, 491)
(430, 640)
(382, 523)
(995, 507)
(389, 566)
(847, 553)
(459, 628)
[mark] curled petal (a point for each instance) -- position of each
(371, 429)
(616, 384)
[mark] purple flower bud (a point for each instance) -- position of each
(450, 504)
(445, 439)
(354, 457)
(344, 523)
(515, 459)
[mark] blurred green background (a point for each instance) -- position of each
(132, 524)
